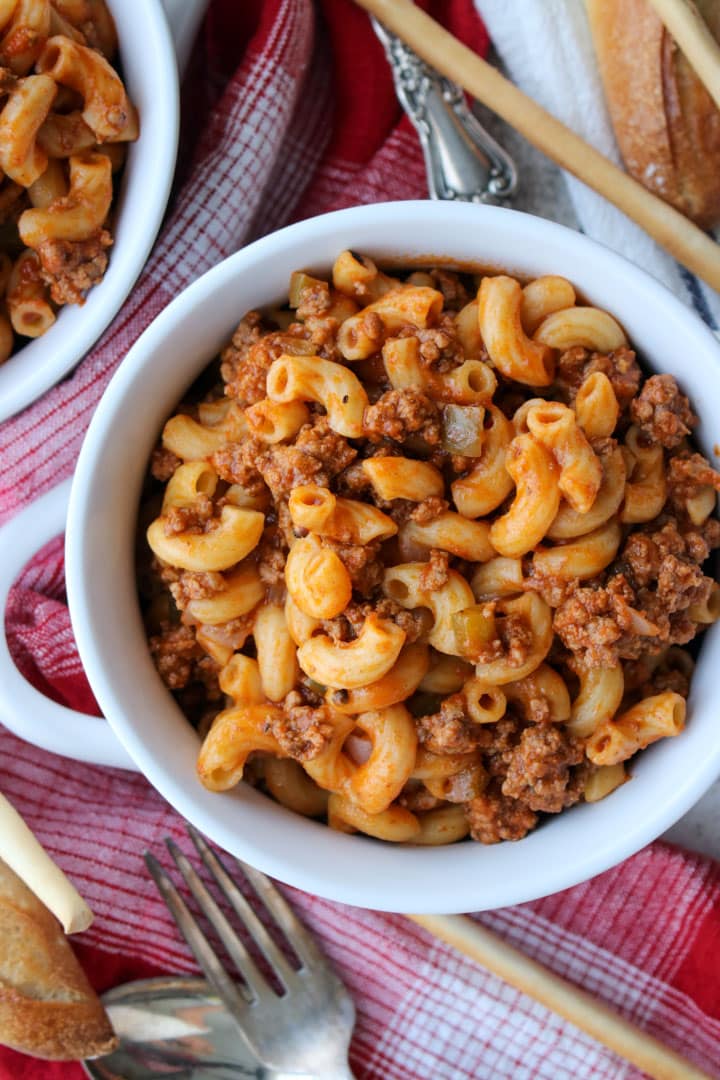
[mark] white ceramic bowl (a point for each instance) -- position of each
(667, 780)
(150, 74)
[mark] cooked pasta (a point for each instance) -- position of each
(424, 555)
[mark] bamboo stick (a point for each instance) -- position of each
(580, 1008)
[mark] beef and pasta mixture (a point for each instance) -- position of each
(426, 549)
(65, 120)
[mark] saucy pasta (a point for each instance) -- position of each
(424, 550)
(65, 119)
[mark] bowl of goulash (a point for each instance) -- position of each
(88, 136)
(389, 556)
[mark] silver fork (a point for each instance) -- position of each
(305, 1030)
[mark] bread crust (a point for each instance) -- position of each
(47, 1006)
(666, 124)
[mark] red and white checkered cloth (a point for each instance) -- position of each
(289, 111)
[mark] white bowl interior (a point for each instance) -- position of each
(572, 847)
(150, 74)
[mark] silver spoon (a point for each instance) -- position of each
(176, 1028)
(462, 160)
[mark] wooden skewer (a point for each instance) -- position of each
(684, 240)
(685, 23)
(580, 1008)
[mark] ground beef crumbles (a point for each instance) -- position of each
(71, 267)
(662, 412)
(401, 413)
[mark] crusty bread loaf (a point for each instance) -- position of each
(47, 1006)
(666, 124)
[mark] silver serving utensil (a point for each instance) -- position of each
(177, 1028)
(462, 159)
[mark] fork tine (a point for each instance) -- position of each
(300, 938)
(242, 909)
(236, 949)
(227, 990)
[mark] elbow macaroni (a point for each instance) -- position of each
(536, 617)
(645, 485)
(585, 326)
(596, 406)
(414, 305)
(401, 478)
(654, 718)
(488, 483)
(570, 523)
(349, 665)
(28, 304)
(536, 502)
(600, 696)
(454, 533)
(319, 511)
(193, 440)
(26, 25)
(310, 378)
(21, 158)
(542, 297)
(397, 685)
(233, 537)
(77, 215)
(243, 591)
(579, 560)
(107, 110)
(510, 349)
(555, 427)
(404, 585)
(316, 579)
(276, 652)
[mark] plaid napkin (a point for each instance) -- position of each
(289, 111)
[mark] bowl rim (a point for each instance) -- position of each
(22, 383)
(468, 894)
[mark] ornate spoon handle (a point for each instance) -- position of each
(462, 159)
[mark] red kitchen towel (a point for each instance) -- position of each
(289, 111)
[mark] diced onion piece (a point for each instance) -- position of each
(474, 628)
(299, 282)
(462, 429)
